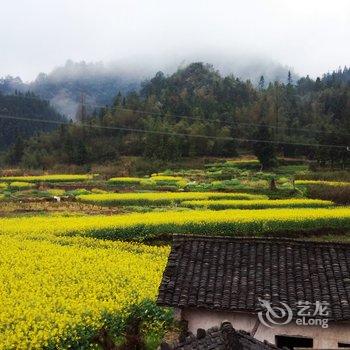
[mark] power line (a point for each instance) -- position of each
(233, 123)
(196, 118)
(229, 138)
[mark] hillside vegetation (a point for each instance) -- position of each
(28, 106)
(173, 113)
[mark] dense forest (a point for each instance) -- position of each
(27, 107)
(198, 112)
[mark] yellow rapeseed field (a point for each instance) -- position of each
(138, 226)
(55, 292)
(48, 178)
(243, 161)
(19, 185)
(154, 180)
(125, 180)
(258, 204)
(160, 179)
(160, 198)
(58, 287)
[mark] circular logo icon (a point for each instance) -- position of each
(277, 314)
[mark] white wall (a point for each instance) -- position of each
(323, 338)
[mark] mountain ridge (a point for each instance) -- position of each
(100, 82)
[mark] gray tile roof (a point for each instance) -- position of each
(230, 274)
(219, 338)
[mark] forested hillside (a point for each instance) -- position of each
(27, 106)
(198, 112)
(99, 82)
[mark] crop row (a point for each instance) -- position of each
(58, 294)
(140, 226)
(125, 181)
(154, 180)
(257, 204)
(160, 198)
(48, 178)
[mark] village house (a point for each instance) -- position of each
(290, 293)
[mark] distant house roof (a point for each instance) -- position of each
(230, 274)
(219, 338)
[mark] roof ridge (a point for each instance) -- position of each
(267, 239)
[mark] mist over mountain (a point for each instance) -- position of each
(176, 109)
(243, 66)
(100, 82)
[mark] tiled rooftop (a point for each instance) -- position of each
(230, 274)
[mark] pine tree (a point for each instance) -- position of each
(16, 152)
(264, 151)
(261, 84)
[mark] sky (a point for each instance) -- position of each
(311, 36)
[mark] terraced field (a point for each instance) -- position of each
(70, 267)
(48, 178)
(160, 198)
(257, 203)
(141, 226)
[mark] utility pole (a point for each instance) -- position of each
(277, 110)
(81, 112)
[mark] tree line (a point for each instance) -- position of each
(14, 132)
(303, 118)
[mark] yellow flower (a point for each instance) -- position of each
(48, 178)
(160, 198)
(257, 204)
(53, 291)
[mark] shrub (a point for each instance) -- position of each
(337, 194)
(336, 191)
